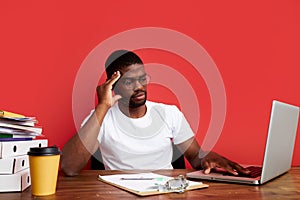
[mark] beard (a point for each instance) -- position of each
(137, 103)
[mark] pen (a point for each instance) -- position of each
(141, 178)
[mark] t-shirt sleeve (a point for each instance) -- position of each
(87, 118)
(181, 128)
(101, 128)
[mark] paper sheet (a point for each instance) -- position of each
(143, 185)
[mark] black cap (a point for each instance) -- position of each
(44, 151)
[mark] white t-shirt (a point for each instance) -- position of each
(142, 143)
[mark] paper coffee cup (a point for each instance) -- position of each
(44, 163)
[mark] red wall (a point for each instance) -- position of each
(253, 43)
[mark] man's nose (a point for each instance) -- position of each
(137, 85)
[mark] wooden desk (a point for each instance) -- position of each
(86, 186)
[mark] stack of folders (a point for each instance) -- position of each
(15, 127)
(18, 134)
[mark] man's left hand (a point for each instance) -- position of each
(213, 160)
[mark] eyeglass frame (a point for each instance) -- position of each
(133, 81)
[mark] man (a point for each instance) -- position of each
(133, 133)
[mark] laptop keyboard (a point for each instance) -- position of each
(255, 171)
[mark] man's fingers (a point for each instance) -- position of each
(240, 169)
(113, 78)
(116, 97)
(231, 170)
(207, 167)
(207, 171)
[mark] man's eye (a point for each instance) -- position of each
(127, 82)
(143, 79)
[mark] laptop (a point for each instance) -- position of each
(278, 150)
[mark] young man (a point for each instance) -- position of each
(133, 133)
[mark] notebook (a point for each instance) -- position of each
(278, 150)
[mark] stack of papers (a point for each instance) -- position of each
(16, 138)
(15, 126)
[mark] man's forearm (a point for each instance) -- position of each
(78, 150)
(191, 149)
(74, 157)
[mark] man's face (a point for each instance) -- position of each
(132, 86)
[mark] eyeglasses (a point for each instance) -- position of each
(129, 83)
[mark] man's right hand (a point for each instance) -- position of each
(105, 93)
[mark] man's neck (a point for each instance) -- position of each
(133, 112)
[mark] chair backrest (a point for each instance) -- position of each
(96, 161)
(179, 163)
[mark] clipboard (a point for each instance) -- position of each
(144, 184)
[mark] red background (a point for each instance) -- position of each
(254, 44)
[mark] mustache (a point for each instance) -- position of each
(138, 92)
